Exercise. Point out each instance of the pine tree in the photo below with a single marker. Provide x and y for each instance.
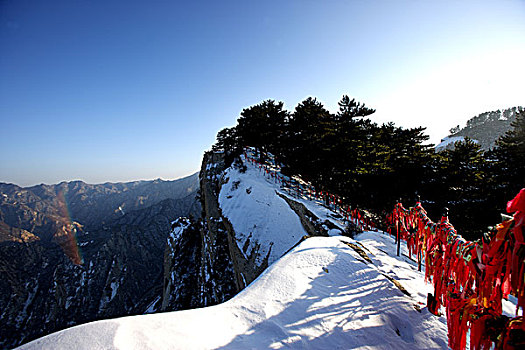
(226, 140)
(262, 126)
(350, 109)
(401, 163)
(461, 185)
(508, 162)
(350, 146)
(228, 143)
(307, 139)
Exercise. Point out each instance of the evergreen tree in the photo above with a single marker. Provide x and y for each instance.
(307, 138)
(401, 164)
(228, 142)
(461, 186)
(462, 170)
(350, 109)
(350, 145)
(509, 155)
(372, 166)
(262, 126)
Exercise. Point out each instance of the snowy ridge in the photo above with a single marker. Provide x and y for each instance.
(264, 223)
(298, 188)
(320, 295)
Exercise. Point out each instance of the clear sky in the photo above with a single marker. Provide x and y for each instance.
(124, 90)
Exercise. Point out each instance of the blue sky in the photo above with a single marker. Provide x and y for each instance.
(124, 90)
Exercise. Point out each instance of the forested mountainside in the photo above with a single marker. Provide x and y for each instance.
(74, 252)
(484, 129)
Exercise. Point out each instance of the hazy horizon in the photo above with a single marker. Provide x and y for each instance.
(101, 182)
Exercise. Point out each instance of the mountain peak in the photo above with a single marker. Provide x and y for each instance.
(484, 129)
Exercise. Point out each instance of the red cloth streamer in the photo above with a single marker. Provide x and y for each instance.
(517, 268)
(470, 278)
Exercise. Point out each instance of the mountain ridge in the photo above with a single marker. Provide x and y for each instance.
(484, 128)
(310, 293)
(71, 269)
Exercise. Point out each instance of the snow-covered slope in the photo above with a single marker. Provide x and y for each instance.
(321, 295)
(264, 223)
(327, 292)
(447, 142)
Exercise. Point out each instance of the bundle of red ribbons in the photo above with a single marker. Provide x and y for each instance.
(471, 278)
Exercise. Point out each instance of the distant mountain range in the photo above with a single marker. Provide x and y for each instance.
(484, 129)
(75, 252)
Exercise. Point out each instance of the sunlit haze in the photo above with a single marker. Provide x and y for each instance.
(118, 91)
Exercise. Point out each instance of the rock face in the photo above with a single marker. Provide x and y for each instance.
(199, 269)
(485, 129)
(72, 253)
(182, 259)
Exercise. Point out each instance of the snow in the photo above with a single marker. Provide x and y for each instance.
(509, 307)
(152, 307)
(68, 302)
(114, 287)
(447, 141)
(382, 249)
(334, 232)
(321, 295)
(263, 222)
(271, 223)
(450, 140)
(181, 225)
(30, 296)
(323, 213)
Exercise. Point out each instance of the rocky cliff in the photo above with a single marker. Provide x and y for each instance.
(199, 268)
